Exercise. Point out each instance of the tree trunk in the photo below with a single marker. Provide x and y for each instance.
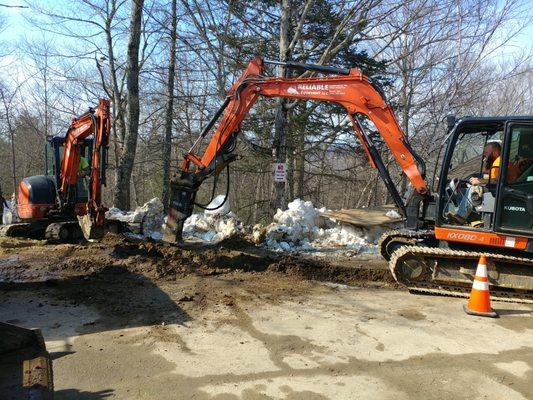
(121, 195)
(2, 202)
(279, 151)
(290, 167)
(12, 140)
(405, 107)
(300, 163)
(167, 144)
(118, 107)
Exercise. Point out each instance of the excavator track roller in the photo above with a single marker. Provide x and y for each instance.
(58, 232)
(451, 272)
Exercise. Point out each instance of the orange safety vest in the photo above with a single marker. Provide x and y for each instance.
(495, 169)
(512, 171)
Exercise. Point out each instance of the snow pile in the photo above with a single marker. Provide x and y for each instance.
(215, 223)
(393, 214)
(301, 228)
(213, 227)
(210, 226)
(146, 220)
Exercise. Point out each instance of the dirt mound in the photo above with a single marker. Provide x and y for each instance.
(161, 261)
(164, 261)
(168, 262)
(322, 271)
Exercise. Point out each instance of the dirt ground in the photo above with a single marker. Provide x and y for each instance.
(130, 319)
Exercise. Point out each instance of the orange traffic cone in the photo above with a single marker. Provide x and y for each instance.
(479, 302)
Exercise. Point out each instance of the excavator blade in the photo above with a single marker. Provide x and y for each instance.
(25, 365)
(89, 228)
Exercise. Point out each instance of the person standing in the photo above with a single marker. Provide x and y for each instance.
(3, 204)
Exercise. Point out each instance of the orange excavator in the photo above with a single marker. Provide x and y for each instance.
(434, 252)
(58, 205)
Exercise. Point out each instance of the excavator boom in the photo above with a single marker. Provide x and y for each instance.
(97, 123)
(355, 92)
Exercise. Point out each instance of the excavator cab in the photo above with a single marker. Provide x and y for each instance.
(53, 154)
(483, 206)
(503, 202)
(464, 203)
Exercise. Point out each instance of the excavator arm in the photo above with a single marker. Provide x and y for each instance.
(96, 122)
(349, 88)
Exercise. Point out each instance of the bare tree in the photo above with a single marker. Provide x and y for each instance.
(279, 152)
(7, 103)
(167, 144)
(125, 165)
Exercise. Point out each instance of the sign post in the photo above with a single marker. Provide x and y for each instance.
(280, 172)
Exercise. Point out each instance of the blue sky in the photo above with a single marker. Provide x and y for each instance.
(17, 28)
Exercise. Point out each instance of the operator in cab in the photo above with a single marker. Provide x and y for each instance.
(491, 171)
(83, 168)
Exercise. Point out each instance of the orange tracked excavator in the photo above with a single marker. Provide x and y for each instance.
(57, 205)
(435, 252)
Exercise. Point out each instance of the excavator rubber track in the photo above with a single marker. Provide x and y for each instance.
(392, 240)
(442, 271)
(59, 232)
(56, 232)
(16, 230)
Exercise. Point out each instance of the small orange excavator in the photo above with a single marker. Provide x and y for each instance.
(435, 252)
(57, 205)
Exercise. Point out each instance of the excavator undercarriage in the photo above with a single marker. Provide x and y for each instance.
(417, 261)
(54, 232)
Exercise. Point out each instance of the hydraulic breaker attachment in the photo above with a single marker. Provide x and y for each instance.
(183, 189)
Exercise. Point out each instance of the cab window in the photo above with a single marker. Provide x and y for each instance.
(463, 204)
(516, 210)
(520, 156)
